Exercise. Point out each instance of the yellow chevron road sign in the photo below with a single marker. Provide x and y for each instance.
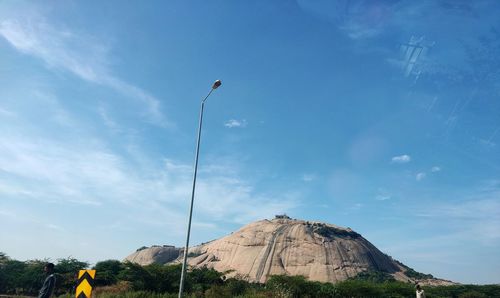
(85, 283)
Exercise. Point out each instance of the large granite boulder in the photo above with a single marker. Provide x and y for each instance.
(318, 251)
(155, 254)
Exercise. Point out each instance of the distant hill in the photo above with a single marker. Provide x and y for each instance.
(318, 251)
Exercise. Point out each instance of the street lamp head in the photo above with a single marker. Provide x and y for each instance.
(216, 84)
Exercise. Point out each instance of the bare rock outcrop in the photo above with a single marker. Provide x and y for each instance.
(155, 254)
(318, 251)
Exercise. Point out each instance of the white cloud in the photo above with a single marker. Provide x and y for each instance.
(150, 201)
(232, 123)
(435, 169)
(356, 19)
(82, 173)
(478, 215)
(76, 53)
(487, 143)
(55, 227)
(420, 176)
(106, 119)
(50, 102)
(356, 206)
(382, 197)
(173, 166)
(50, 171)
(357, 31)
(490, 186)
(401, 159)
(7, 113)
(308, 177)
(469, 230)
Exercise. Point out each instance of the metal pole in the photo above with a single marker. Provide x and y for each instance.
(184, 262)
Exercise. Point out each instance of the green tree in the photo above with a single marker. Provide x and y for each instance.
(67, 274)
(200, 279)
(328, 290)
(164, 278)
(472, 294)
(398, 289)
(140, 279)
(292, 286)
(32, 277)
(374, 276)
(3, 259)
(356, 288)
(236, 287)
(12, 271)
(107, 272)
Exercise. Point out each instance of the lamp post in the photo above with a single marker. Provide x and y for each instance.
(184, 262)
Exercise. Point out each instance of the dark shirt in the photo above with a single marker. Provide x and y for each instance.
(48, 286)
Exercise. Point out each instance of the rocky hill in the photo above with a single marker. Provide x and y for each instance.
(318, 251)
(154, 254)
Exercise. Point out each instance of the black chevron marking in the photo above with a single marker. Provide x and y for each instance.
(86, 276)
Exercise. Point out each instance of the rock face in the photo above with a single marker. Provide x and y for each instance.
(154, 254)
(317, 251)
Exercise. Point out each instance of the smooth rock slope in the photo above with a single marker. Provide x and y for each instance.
(315, 250)
(318, 251)
(155, 254)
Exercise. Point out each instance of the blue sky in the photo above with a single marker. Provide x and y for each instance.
(378, 115)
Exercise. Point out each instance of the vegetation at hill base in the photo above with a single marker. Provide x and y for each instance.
(115, 279)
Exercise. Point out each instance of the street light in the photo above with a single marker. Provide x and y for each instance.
(184, 262)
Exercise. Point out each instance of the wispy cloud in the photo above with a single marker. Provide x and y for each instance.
(468, 219)
(55, 227)
(490, 186)
(420, 176)
(475, 211)
(356, 30)
(233, 123)
(356, 206)
(358, 20)
(479, 216)
(6, 113)
(173, 166)
(489, 142)
(401, 159)
(50, 171)
(106, 119)
(382, 197)
(383, 194)
(435, 169)
(308, 177)
(83, 56)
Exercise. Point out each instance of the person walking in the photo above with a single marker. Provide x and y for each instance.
(50, 282)
(419, 291)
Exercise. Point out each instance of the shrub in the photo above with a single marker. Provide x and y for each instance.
(417, 275)
(292, 286)
(67, 274)
(374, 276)
(138, 277)
(107, 272)
(472, 294)
(357, 288)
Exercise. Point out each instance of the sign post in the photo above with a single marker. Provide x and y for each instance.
(85, 283)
